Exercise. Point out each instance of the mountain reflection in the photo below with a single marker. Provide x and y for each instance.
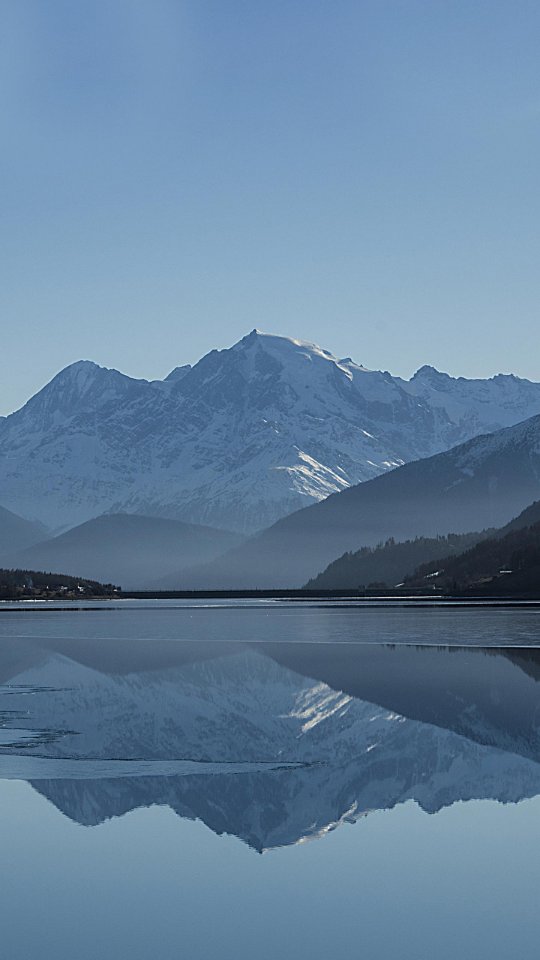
(274, 743)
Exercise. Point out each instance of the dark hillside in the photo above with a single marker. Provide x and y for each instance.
(36, 585)
(391, 562)
(505, 565)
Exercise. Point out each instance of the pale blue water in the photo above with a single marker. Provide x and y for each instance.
(269, 781)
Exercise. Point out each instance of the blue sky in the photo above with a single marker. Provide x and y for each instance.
(362, 174)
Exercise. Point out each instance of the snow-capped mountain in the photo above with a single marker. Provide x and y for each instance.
(243, 716)
(488, 405)
(247, 435)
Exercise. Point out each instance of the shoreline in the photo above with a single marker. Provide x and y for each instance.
(342, 598)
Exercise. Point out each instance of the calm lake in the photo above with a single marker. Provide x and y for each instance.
(265, 780)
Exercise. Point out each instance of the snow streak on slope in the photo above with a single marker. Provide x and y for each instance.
(244, 437)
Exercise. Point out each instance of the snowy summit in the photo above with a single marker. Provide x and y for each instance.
(242, 438)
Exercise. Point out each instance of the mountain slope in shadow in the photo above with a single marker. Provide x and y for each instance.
(127, 549)
(479, 484)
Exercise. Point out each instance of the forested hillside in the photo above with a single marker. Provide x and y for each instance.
(508, 565)
(390, 562)
(35, 585)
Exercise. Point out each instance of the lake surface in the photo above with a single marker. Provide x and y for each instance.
(269, 780)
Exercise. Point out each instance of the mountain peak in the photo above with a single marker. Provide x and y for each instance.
(427, 372)
(80, 373)
(282, 347)
(82, 386)
(249, 434)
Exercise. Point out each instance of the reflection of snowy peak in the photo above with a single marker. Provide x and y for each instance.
(354, 755)
(282, 807)
(241, 707)
(243, 437)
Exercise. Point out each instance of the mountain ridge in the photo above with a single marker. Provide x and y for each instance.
(241, 438)
(128, 549)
